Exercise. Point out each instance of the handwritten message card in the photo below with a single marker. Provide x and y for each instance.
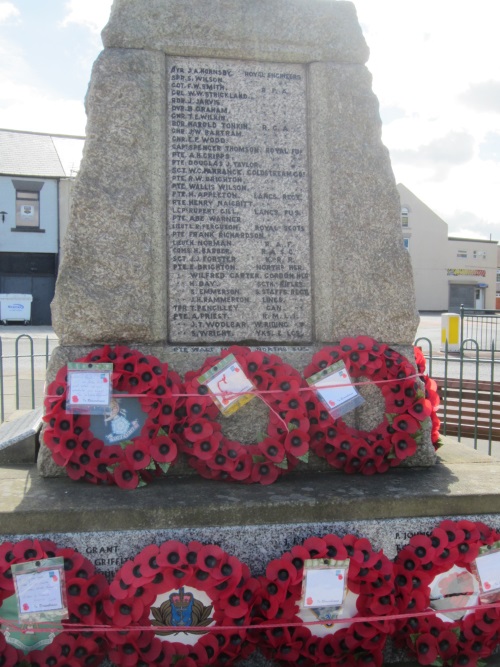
(89, 388)
(39, 587)
(325, 583)
(488, 570)
(227, 383)
(335, 390)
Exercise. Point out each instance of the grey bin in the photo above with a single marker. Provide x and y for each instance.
(15, 308)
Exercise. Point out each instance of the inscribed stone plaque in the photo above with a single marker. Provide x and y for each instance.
(238, 202)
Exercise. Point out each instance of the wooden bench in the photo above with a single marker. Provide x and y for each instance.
(473, 405)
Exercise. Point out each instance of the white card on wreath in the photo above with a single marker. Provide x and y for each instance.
(335, 389)
(324, 587)
(488, 569)
(228, 384)
(89, 387)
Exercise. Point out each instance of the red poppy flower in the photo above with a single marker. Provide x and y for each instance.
(297, 443)
(421, 409)
(283, 572)
(453, 531)
(404, 445)
(125, 476)
(427, 649)
(405, 423)
(272, 449)
(200, 429)
(163, 449)
(264, 473)
(138, 455)
(285, 384)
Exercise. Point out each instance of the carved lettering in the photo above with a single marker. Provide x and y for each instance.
(238, 227)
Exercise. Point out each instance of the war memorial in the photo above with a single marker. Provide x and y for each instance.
(236, 215)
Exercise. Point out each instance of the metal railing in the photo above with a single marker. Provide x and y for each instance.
(23, 362)
(470, 396)
(480, 326)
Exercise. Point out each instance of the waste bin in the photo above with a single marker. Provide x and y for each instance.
(450, 331)
(15, 308)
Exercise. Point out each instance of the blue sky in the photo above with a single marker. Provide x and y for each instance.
(435, 67)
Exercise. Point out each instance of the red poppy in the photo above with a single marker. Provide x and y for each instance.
(199, 429)
(242, 467)
(297, 443)
(125, 476)
(138, 454)
(406, 424)
(264, 473)
(272, 449)
(421, 409)
(283, 572)
(427, 649)
(163, 449)
(404, 446)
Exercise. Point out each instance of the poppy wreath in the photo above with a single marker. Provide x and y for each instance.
(192, 593)
(282, 446)
(134, 461)
(406, 406)
(86, 592)
(434, 572)
(431, 394)
(370, 592)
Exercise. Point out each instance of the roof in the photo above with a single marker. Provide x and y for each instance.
(37, 154)
(458, 238)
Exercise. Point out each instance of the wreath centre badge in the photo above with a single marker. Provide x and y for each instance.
(186, 609)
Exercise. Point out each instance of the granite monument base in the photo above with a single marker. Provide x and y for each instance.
(255, 523)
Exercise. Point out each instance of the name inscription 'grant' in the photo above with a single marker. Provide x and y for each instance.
(238, 202)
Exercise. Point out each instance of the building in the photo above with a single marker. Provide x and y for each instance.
(498, 280)
(36, 174)
(447, 271)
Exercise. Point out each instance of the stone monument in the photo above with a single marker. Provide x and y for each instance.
(234, 189)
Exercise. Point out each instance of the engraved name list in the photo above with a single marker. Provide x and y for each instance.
(238, 203)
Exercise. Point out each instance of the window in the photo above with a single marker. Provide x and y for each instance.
(479, 254)
(27, 209)
(27, 206)
(498, 275)
(462, 254)
(406, 243)
(404, 216)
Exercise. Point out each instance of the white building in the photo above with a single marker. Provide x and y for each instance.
(36, 173)
(447, 271)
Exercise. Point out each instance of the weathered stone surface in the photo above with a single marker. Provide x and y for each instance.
(112, 284)
(408, 500)
(363, 282)
(295, 31)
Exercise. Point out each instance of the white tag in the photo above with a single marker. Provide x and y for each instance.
(488, 569)
(325, 587)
